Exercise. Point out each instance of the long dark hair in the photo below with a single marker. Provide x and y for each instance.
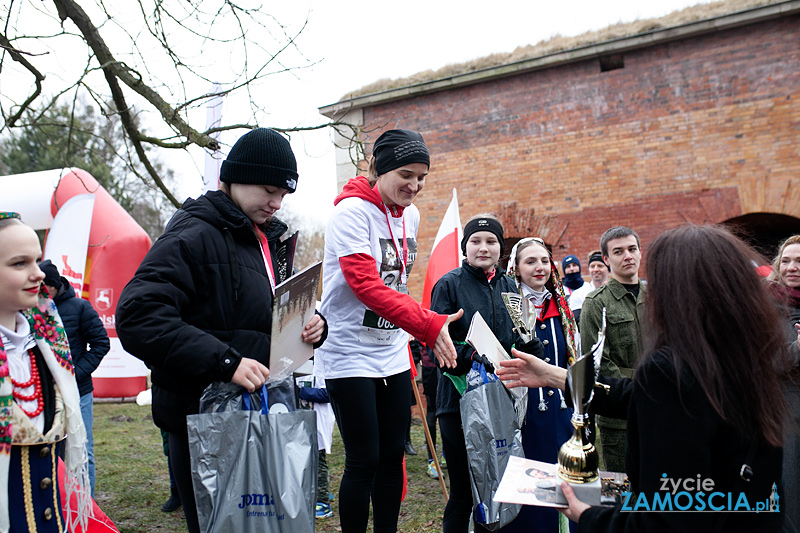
(708, 310)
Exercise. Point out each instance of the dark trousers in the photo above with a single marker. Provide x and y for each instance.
(459, 507)
(182, 470)
(323, 478)
(372, 415)
(430, 381)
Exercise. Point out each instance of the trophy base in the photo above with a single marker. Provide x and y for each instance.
(588, 493)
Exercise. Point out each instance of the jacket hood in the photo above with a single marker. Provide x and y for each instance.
(216, 208)
(65, 292)
(359, 187)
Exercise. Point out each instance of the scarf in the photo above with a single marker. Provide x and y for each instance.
(537, 298)
(574, 280)
(48, 331)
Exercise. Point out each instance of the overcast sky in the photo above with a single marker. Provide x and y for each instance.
(359, 42)
(345, 45)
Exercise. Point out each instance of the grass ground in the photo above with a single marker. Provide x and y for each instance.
(133, 482)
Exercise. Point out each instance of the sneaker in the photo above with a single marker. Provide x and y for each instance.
(324, 510)
(432, 472)
(331, 497)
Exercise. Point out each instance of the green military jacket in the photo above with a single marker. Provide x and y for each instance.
(624, 322)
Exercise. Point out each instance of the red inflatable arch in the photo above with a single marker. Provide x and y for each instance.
(117, 244)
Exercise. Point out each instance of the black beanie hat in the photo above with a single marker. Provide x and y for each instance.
(261, 157)
(395, 148)
(483, 224)
(51, 275)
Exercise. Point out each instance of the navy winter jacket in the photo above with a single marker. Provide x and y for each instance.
(83, 328)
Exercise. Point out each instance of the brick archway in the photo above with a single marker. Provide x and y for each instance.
(764, 231)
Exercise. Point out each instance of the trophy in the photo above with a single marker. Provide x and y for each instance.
(578, 460)
(522, 317)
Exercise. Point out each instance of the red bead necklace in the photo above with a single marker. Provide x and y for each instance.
(36, 381)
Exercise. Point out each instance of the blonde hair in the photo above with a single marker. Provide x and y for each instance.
(372, 172)
(775, 275)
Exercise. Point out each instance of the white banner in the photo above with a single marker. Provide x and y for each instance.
(68, 239)
(118, 363)
(213, 159)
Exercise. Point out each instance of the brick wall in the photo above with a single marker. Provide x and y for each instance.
(698, 130)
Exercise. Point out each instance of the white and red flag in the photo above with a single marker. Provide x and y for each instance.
(446, 253)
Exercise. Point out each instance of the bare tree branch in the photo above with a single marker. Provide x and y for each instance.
(189, 36)
(18, 56)
(115, 69)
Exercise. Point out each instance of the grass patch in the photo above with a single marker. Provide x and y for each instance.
(133, 482)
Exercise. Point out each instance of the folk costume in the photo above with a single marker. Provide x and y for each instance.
(40, 407)
(547, 421)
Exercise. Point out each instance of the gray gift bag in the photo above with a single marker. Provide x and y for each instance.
(492, 434)
(254, 472)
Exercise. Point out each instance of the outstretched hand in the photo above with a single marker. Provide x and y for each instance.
(444, 350)
(529, 371)
(576, 507)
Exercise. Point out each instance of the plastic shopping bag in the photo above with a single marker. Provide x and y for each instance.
(224, 396)
(492, 435)
(254, 470)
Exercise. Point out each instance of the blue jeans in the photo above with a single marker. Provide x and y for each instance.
(88, 418)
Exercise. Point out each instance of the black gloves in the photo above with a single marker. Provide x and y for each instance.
(534, 347)
(482, 359)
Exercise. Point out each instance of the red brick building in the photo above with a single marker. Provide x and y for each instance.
(695, 123)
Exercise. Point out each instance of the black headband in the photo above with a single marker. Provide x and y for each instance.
(483, 224)
(596, 257)
(395, 148)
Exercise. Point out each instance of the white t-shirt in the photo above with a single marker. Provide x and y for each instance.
(579, 295)
(360, 343)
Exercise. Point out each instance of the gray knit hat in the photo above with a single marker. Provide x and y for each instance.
(261, 157)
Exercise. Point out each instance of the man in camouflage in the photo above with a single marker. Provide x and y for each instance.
(623, 298)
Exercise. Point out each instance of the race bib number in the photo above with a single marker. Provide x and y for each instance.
(377, 330)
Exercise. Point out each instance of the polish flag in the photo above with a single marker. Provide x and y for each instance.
(446, 252)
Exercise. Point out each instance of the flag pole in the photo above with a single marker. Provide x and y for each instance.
(430, 440)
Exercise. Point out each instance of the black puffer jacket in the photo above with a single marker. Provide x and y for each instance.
(82, 326)
(199, 302)
(467, 288)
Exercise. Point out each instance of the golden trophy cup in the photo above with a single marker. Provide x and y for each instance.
(578, 460)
